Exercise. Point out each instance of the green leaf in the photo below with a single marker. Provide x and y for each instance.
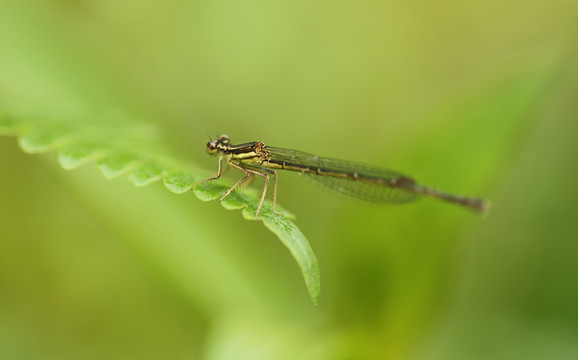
(180, 181)
(118, 151)
(209, 191)
(116, 164)
(76, 154)
(297, 244)
(145, 173)
(44, 139)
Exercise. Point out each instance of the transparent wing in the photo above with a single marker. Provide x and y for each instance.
(359, 188)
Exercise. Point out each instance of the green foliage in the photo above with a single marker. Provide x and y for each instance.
(478, 99)
(116, 152)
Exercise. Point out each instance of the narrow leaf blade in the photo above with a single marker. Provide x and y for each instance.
(299, 247)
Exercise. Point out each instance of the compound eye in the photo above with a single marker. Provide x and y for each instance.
(211, 147)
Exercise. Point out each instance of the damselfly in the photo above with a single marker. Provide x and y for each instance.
(361, 181)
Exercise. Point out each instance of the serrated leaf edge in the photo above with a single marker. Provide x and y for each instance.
(305, 259)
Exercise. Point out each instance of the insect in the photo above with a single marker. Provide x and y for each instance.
(366, 182)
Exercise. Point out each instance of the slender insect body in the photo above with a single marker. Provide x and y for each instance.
(366, 182)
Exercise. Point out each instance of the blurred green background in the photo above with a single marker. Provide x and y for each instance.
(471, 97)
